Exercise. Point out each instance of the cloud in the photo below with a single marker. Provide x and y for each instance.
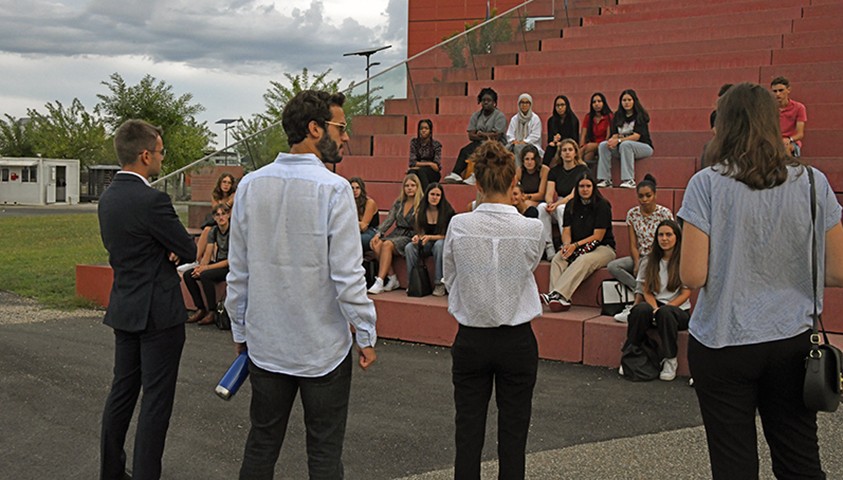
(213, 34)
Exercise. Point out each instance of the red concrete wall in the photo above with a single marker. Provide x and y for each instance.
(429, 21)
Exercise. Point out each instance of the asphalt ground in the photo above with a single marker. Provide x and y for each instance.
(587, 422)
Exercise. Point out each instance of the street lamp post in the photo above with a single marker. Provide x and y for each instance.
(227, 125)
(368, 54)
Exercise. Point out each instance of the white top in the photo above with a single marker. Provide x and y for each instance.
(535, 135)
(664, 295)
(488, 263)
(296, 278)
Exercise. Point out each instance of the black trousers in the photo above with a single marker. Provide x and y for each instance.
(149, 360)
(209, 279)
(427, 175)
(506, 357)
(325, 402)
(732, 383)
(668, 320)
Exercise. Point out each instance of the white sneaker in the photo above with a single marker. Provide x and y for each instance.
(691, 382)
(623, 316)
(668, 369)
(391, 283)
(471, 180)
(627, 184)
(620, 370)
(455, 177)
(604, 184)
(549, 251)
(439, 290)
(376, 287)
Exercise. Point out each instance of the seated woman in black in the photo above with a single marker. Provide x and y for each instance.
(587, 243)
(561, 125)
(367, 212)
(432, 219)
(212, 269)
(667, 303)
(425, 154)
(532, 176)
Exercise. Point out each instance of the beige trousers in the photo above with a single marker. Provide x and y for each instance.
(565, 278)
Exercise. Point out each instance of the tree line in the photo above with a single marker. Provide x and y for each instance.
(72, 131)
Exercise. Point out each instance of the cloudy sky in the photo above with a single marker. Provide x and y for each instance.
(224, 52)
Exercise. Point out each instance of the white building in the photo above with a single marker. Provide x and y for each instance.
(38, 181)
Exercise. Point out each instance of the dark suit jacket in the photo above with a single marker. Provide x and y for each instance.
(139, 228)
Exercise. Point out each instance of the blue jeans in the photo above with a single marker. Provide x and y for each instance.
(628, 151)
(411, 256)
(325, 402)
(366, 237)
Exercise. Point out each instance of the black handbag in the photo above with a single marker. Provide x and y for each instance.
(419, 281)
(824, 363)
(221, 319)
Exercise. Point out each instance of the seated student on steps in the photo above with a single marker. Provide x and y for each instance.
(641, 221)
(587, 243)
(488, 123)
(666, 306)
(403, 216)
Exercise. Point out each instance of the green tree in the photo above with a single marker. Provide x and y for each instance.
(479, 41)
(153, 100)
(15, 137)
(263, 147)
(70, 132)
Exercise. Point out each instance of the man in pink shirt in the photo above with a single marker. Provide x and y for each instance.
(792, 116)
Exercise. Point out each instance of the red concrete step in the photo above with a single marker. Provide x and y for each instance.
(814, 54)
(549, 51)
(440, 89)
(374, 169)
(466, 74)
(832, 167)
(403, 106)
(799, 73)
(736, 21)
(426, 320)
(817, 24)
(611, 81)
(658, 36)
(603, 338)
(672, 12)
(827, 10)
(626, 7)
(677, 63)
(379, 124)
(813, 39)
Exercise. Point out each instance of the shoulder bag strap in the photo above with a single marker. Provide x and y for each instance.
(817, 320)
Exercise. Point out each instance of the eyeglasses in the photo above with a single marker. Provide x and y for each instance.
(341, 126)
(220, 214)
(163, 151)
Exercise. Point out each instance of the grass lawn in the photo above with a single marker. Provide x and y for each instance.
(39, 255)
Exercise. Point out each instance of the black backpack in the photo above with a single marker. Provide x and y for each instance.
(641, 362)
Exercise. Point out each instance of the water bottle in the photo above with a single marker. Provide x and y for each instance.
(234, 377)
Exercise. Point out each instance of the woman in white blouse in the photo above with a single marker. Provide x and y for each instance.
(525, 128)
(490, 254)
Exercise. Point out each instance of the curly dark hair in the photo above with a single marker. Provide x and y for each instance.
(490, 91)
(308, 106)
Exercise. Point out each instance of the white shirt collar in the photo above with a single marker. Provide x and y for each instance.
(137, 175)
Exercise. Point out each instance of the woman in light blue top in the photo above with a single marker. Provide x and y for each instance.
(748, 246)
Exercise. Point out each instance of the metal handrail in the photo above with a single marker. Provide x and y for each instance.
(355, 85)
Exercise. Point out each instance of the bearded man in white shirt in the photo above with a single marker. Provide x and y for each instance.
(296, 283)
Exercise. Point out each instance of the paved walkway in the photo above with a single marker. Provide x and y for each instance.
(587, 422)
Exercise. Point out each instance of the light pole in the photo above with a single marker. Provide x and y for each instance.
(226, 122)
(367, 53)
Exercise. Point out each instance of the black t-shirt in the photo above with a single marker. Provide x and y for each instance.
(531, 212)
(566, 180)
(530, 182)
(584, 219)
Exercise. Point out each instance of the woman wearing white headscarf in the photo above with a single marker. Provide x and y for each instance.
(524, 128)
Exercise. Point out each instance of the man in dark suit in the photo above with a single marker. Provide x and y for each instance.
(144, 239)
